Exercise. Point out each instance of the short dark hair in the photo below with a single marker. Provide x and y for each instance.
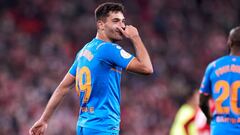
(102, 11)
(234, 36)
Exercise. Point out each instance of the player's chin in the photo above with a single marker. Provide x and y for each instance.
(118, 38)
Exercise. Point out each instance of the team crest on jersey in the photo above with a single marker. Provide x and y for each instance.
(125, 54)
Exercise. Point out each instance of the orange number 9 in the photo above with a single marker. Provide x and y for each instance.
(85, 86)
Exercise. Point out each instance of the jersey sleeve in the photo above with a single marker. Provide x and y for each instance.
(116, 55)
(206, 82)
(73, 69)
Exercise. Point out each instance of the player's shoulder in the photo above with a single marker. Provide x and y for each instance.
(187, 111)
(218, 61)
(80, 52)
(223, 58)
(105, 46)
(226, 60)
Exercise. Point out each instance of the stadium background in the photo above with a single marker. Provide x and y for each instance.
(39, 40)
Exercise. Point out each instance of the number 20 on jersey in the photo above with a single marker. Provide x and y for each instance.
(228, 91)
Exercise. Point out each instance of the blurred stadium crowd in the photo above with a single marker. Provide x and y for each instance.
(40, 38)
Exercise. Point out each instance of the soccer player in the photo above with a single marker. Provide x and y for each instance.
(184, 122)
(96, 73)
(222, 82)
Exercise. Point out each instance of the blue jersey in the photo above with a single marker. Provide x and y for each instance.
(97, 68)
(222, 82)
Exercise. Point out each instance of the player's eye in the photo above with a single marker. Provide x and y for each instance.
(115, 20)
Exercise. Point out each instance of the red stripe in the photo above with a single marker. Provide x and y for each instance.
(187, 124)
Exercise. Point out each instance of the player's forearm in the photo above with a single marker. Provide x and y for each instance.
(205, 107)
(54, 101)
(141, 53)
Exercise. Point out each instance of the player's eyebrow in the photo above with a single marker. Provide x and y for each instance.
(118, 19)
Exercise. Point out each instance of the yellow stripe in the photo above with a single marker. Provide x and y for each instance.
(130, 62)
(71, 75)
(114, 69)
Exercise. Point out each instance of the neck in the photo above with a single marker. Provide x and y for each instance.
(103, 37)
(235, 54)
(235, 51)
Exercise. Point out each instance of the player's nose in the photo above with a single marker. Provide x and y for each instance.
(122, 25)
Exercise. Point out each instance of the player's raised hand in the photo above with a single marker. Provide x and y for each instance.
(129, 31)
(38, 128)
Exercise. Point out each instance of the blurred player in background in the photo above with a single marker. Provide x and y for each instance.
(96, 73)
(189, 119)
(222, 82)
(184, 123)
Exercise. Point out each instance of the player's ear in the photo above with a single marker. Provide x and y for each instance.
(229, 43)
(100, 25)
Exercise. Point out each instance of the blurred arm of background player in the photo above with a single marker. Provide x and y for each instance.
(142, 63)
(41, 125)
(204, 105)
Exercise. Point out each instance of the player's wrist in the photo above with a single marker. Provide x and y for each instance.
(44, 120)
(135, 37)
